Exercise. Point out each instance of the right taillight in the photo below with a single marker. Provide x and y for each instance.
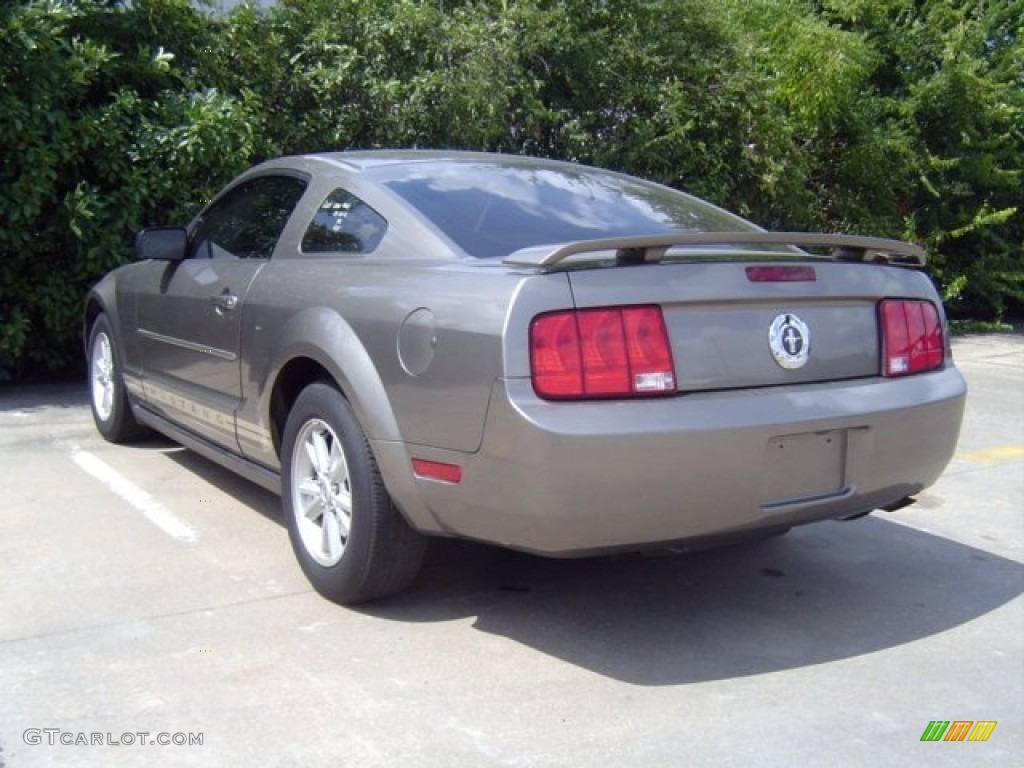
(911, 337)
(602, 352)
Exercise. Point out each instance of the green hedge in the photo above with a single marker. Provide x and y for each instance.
(888, 117)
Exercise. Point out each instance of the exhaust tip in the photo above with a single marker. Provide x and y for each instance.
(903, 503)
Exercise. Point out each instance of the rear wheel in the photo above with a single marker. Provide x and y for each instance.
(111, 410)
(349, 538)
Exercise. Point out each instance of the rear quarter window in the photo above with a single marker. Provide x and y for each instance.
(344, 224)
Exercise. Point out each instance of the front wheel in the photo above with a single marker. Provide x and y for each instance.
(111, 410)
(349, 538)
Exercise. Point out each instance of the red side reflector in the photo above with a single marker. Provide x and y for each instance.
(911, 337)
(436, 470)
(781, 274)
(603, 352)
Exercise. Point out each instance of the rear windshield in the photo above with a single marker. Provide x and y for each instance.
(491, 210)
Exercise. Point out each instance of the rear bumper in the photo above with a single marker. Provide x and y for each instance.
(581, 478)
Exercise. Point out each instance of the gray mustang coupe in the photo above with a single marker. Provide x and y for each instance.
(535, 354)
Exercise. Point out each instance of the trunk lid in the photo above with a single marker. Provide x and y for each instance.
(729, 331)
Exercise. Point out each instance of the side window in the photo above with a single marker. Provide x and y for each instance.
(248, 220)
(344, 223)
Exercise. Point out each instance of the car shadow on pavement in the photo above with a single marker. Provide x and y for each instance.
(822, 593)
(224, 480)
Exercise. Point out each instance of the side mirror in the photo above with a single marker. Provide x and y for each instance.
(161, 243)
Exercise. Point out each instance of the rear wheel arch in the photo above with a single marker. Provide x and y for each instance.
(297, 374)
(339, 358)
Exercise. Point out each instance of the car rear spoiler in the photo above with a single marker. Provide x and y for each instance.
(652, 248)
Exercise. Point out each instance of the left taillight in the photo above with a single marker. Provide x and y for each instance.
(911, 337)
(601, 352)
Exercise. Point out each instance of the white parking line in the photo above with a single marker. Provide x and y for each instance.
(151, 509)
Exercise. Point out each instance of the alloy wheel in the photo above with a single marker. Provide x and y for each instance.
(321, 492)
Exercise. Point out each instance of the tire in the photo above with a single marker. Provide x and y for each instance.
(111, 410)
(349, 538)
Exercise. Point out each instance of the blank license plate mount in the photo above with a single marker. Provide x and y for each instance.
(803, 466)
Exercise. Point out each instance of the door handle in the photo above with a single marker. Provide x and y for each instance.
(225, 302)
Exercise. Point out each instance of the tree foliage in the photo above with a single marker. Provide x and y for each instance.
(100, 132)
(889, 117)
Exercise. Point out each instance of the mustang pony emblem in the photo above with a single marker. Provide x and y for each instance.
(790, 341)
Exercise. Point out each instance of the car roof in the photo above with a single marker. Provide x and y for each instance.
(362, 160)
